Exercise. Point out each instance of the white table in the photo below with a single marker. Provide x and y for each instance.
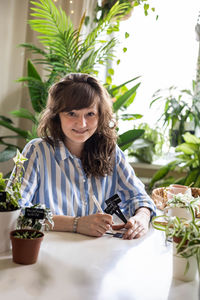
(76, 267)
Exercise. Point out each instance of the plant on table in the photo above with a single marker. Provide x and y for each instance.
(26, 239)
(185, 234)
(186, 201)
(42, 222)
(10, 188)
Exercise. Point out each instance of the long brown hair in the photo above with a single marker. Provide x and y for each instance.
(73, 92)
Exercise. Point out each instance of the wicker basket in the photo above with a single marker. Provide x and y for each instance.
(160, 198)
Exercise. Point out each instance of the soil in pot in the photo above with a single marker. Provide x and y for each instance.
(25, 250)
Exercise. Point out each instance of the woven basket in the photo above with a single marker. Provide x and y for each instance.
(160, 198)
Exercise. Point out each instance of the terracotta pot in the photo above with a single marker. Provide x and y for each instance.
(25, 251)
(175, 189)
(8, 222)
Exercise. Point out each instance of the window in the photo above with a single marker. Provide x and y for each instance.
(164, 51)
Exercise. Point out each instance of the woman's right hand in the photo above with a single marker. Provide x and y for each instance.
(94, 225)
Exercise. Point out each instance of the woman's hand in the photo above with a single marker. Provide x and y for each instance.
(137, 226)
(94, 225)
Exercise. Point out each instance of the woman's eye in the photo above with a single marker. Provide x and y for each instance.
(71, 114)
(91, 114)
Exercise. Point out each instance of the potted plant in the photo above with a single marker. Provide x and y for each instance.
(27, 238)
(186, 159)
(185, 235)
(9, 202)
(181, 111)
(182, 205)
(148, 146)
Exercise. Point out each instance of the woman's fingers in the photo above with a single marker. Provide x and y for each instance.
(118, 227)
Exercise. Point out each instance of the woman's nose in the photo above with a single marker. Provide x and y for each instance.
(82, 121)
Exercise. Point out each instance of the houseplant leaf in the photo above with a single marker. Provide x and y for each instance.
(126, 138)
(124, 98)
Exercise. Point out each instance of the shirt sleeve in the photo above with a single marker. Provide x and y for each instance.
(130, 188)
(30, 177)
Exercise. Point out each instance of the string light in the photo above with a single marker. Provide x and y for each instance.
(71, 11)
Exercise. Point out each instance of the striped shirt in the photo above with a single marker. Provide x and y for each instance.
(54, 177)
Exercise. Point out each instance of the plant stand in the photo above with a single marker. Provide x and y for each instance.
(8, 222)
(25, 251)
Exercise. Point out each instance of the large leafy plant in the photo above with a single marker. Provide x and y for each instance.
(65, 50)
(180, 108)
(187, 159)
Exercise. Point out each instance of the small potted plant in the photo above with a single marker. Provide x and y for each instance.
(27, 238)
(185, 235)
(182, 205)
(9, 202)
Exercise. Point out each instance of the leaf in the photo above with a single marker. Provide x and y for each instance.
(160, 174)
(22, 133)
(8, 153)
(128, 117)
(128, 137)
(7, 120)
(187, 148)
(121, 85)
(24, 113)
(126, 35)
(111, 71)
(192, 176)
(34, 91)
(191, 139)
(124, 98)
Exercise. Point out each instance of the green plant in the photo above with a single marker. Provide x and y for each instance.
(122, 99)
(64, 50)
(10, 188)
(180, 108)
(103, 9)
(187, 159)
(184, 232)
(148, 146)
(185, 201)
(25, 221)
(27, 235)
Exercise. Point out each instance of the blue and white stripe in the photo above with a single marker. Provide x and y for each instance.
(56, 178)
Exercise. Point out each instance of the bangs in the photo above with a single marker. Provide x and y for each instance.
(79, 96)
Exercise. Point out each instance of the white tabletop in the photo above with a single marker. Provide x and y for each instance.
(77, 267)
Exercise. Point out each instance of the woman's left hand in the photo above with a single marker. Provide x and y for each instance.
(137, 226)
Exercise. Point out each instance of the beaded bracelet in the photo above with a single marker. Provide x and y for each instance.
(75, 224)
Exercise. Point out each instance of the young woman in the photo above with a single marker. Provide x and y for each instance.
(77, 158)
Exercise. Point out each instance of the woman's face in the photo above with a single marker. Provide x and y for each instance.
(79, 125)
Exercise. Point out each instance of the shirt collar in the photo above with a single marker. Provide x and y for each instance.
(62, 152)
